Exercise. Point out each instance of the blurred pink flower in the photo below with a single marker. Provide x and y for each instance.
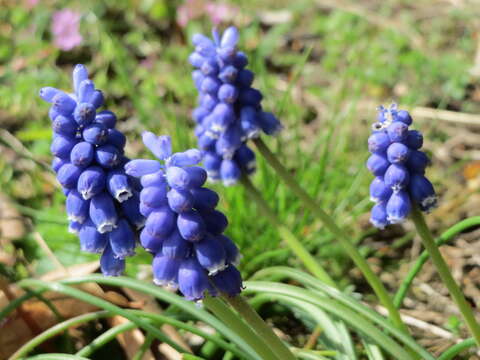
(65, 29)
(31, 3)
(193, 9)
(219, 12)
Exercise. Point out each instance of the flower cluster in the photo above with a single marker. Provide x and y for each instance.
(102, 200)
(399, 168)
(183, 229)
(229, 111)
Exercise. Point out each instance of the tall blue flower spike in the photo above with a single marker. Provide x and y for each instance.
(183, 229)
(102, 200)
(399, 168)
(229, 111)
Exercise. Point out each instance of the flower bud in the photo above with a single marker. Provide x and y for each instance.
(160, 146)
(85, 91)
(165, 270)
(84, 114)
(77, 207)
(417, 162)
(110, 265)
(180, 200)
(82, 154)
(245, 158)
(97, 99)
(245, 78)
(414, 139)
(396, 177)
(378, 216)
(68, 175)
(216, 222)
(48, 93)
(404, 117)
(79, 74)
(161, 222)
(91, 182)
(63, 104)
(95, 134)
(154, 196)
(154, 179)
(122, 240)
(398, 207)
(57, 163)
(204, 199)
(107, 156)
(106, 118)
(90, 239)
(130, 208)
(250, 97)
(232, 254)
(229, 172)
(377, 164)
(227, 93)
(269, 123)
(151, 243)
(378, 142)
(178, 178)
(210, 254)
(398, 153)
(397, 131)
(191, 225)
(192, 280)
(422, 192)
(65, 126)
(140, 167)
(175, 246)
(62, 146)
(379, 191)
(102, 212)
(228, 74)
(228, 281)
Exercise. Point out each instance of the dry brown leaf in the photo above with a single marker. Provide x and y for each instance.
(132, 340)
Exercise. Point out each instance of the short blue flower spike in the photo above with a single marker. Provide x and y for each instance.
(399, 167)
(229, 111)
(183, 229)
(102, 200)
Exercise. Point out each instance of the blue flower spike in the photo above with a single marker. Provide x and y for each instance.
(229, 111)
(399, 168)
(102, 201)
(183, 229)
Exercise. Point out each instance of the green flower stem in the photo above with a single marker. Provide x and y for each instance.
(55, 356)
(224, 313)
(78, 294)
(330, 224)
(444, 272)
(456, 349)
(55, 330)
(292, 241)
(105, 338)
(422, 259)
(241, 305)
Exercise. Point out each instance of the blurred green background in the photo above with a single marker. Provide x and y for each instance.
(323, 67)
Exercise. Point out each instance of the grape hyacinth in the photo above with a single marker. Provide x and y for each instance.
(229, 111)
(102, 200)
(183, 229)
(399, 168)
